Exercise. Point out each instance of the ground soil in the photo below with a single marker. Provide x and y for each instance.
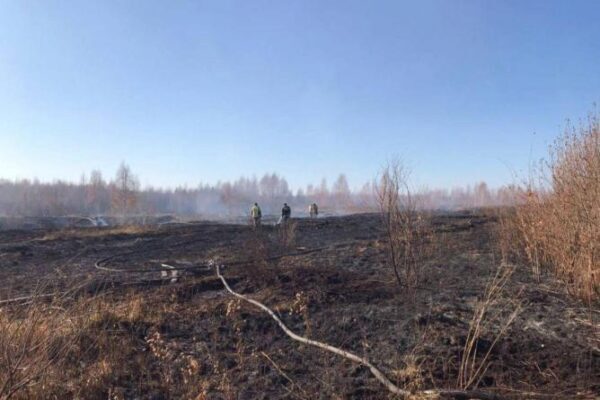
(330, 282)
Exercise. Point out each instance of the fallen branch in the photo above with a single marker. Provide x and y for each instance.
(434, 393)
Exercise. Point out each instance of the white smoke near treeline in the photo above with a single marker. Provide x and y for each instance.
(123, 196)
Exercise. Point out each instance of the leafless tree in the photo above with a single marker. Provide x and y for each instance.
(126, 186)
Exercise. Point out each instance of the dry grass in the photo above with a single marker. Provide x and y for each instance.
(492, 310)
(27, 349)
(556, 226)
(67, 348)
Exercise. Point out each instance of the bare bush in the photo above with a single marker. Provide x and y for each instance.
(402, 224)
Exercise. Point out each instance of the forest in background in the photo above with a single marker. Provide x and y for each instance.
(123, 195)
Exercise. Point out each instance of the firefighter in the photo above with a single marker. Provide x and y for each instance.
(256, 214)
(313, 210)
(286, 212)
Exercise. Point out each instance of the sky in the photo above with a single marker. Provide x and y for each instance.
(202, 91)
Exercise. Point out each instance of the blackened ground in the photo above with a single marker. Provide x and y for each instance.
(330, 283)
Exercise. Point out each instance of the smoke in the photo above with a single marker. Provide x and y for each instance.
(122, 196)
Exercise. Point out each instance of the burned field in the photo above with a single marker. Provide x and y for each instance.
(150, 318)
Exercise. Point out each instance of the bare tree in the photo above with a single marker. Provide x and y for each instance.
(124, 194)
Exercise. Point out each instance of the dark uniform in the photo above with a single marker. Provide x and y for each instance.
(286, 212)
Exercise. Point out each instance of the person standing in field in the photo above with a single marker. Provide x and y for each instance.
(256, 214)
(313, 210)
(286, 212)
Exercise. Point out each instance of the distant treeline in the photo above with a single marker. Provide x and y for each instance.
(123, 196)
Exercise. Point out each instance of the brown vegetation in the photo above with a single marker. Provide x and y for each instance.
(46, 345)
(556, 225)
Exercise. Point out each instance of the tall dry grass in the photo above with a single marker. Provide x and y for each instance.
(27, 351)
(65, 348)
(556, 225)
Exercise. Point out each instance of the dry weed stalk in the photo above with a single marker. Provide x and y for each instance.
(489, 311)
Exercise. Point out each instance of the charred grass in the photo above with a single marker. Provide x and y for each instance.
(189, 339)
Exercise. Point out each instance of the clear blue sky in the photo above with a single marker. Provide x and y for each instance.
(189, 91)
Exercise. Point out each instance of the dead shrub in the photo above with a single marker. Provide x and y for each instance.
(403, 225)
